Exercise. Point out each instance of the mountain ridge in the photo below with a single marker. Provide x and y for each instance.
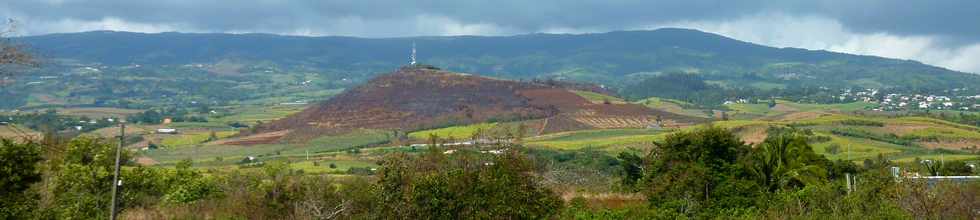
(612, 58)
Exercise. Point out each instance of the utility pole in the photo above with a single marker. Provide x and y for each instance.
(115, 178)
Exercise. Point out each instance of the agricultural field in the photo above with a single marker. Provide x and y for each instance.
(783, 107)
(192, 138)
(99, 112)
(251, 114)
(673, 106)
(222, 154)
(8, 131)
(898, 137)
(455, 132)
(597, 97)
(856, 148)
(611, 140)
(343, 142)
(938, 157)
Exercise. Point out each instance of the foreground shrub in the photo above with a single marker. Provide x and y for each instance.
(465, 185)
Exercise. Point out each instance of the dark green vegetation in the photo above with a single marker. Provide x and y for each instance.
(51, 121)
(707, 172)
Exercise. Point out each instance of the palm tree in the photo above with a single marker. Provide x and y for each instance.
(785, 161)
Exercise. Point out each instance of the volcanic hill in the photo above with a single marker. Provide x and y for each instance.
(416, 98)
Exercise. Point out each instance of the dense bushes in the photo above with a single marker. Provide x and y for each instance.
(75, 181)
(464, 185)
(18, 171)
(709, 173)
(704, 173)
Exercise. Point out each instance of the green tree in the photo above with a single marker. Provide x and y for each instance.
(785, 161)
(631, 168)
(833, 149)
(18, 171)
(689, 171)
(82, 180)
(464, 185)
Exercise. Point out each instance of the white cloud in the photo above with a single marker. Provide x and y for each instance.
(820, 33)
(421, 25)
(31, 27)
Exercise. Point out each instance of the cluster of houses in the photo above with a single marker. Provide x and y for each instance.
(895, 101)
(952, 100)
(737, 101)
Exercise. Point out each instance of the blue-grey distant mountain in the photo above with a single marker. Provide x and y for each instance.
(615, 58)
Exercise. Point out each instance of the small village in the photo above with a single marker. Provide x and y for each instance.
(951, 100)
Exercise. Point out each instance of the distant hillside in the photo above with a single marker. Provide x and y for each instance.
(416, 98)
(615, 58)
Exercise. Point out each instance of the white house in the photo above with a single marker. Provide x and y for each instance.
(166, 131)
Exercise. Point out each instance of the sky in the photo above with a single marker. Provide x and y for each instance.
(944, 33)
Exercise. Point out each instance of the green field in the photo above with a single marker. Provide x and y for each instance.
(937, 157)
(672, 106)
(463, 132)
(193, 138)
(251, 114)
(192, 149)
(853, 106)
(342, 142)
(762, 109)
(596, 97)
(612, 140)
(855, 148)
(755, 109)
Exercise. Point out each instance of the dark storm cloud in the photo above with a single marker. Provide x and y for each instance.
(957, 19)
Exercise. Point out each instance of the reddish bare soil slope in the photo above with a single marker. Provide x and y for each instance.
(412, 99)
(418, 98)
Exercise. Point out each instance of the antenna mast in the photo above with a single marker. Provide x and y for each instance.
(413, 54)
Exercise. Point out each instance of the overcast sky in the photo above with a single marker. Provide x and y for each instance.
(940, 32)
